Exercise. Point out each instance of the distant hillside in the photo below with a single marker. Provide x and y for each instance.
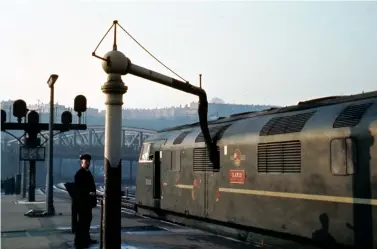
(158, 123)
(156, 119)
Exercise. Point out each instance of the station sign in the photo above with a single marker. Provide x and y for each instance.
(32, 154)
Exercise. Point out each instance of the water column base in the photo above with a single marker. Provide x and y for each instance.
(112, 208)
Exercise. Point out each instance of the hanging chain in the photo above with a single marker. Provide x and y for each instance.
(115, 24)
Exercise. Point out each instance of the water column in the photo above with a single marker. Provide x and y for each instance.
(113, 89)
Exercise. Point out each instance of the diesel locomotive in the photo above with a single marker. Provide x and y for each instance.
(303, 172)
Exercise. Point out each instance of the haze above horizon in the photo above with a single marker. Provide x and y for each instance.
(248, 52)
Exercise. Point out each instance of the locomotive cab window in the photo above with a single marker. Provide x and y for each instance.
(145, 153)
(343, 156)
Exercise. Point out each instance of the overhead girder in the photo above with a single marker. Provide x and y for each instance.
(94, 137)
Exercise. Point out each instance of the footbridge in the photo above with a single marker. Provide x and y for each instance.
(72, 143)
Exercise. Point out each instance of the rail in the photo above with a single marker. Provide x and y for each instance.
(127, 202)
(128, 197)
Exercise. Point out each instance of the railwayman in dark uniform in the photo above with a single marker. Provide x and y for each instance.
(85, 202)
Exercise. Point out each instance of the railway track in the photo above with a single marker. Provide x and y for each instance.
(128, 197)
(127, 202)
(129, 206)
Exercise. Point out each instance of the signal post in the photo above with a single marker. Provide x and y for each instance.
(32, 150)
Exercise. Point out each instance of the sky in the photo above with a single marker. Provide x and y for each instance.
(248, 52)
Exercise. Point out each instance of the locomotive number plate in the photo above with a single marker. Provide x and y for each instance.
(237, 176)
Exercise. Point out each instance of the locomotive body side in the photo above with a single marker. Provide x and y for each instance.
(311, 176)
(315, 197)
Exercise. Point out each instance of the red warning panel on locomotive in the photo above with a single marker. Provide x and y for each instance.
(237, 176)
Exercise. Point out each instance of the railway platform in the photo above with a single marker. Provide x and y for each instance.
(21, 232)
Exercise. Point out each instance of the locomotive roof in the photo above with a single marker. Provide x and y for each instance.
(302, 105)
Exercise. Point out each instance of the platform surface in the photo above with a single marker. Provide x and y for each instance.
(19, 231)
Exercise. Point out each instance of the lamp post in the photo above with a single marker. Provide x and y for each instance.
(50, 173)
